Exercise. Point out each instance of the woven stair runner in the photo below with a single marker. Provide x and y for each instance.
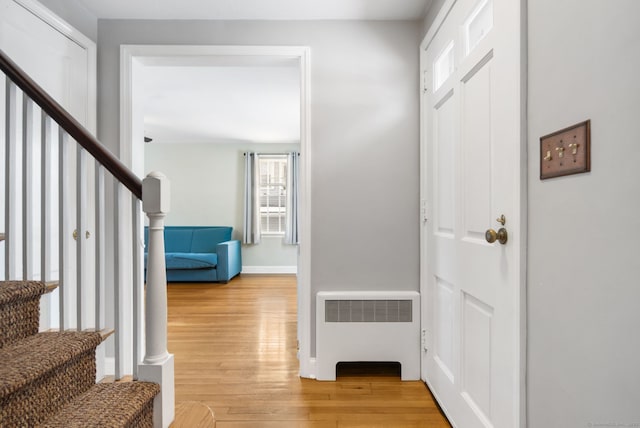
(19, 309)
(48, 379)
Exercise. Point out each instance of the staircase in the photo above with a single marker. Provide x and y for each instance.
(88, 284)
(48, 379)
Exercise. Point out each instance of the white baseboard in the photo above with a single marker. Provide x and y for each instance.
(109, 366)
(270, 269)
(308, 368)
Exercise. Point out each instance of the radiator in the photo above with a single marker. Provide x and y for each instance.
(367, 326)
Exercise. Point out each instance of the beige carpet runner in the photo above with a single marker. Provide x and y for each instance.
(48, 379)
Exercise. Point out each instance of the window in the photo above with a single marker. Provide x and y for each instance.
(478, 24)
(273, 194)
(443, 66)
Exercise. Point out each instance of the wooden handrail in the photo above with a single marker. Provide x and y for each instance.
(71, 126)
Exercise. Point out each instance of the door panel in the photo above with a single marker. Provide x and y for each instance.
(470, 175)
(477, 149)
(477, 320)
(444, 148)
(444, 328)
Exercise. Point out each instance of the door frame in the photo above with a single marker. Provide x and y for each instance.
(130, 153)
(521, 350)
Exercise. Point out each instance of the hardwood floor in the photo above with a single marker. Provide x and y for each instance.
(235, 351)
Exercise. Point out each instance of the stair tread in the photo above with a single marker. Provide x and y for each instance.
(19, 309)
(106, 405)
(32, 357)
(13, 291)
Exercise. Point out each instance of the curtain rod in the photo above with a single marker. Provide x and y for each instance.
(272, 154)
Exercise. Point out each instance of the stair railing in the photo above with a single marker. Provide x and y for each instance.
(42, 169)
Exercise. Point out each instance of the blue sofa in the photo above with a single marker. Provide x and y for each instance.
(199, 253)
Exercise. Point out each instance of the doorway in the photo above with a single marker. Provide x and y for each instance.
(133, 60)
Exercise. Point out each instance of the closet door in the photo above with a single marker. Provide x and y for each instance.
(62, 61)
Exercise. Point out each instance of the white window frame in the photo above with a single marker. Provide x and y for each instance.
(272, 179)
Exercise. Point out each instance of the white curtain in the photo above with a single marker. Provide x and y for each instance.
(291, 227)
(251, 221)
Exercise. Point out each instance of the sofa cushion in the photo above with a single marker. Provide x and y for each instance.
(191, 260)
(177, 240)
(205, 240)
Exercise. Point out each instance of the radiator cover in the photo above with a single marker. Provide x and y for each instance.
(369, 326)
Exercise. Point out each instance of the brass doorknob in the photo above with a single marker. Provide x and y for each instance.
(492, 236)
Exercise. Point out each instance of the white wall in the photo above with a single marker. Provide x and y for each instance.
(584, 230)
(364, 135)
(207, 182)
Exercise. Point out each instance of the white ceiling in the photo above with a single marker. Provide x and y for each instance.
(222, 104)
(258, 9)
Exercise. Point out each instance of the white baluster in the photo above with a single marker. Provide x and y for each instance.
(27, 187)
(117, 299)
(137, 288)
(45, 216)
(11, 178)
(158, 365)
(100, 260)
(63, 186)
(81, 227)
(100, 243)
(64, 232)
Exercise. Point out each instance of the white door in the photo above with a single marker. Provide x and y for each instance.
(61, 61)
(471, 175)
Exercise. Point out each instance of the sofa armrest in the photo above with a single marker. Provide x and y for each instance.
(229, 260)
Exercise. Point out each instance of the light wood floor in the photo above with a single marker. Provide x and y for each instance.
(235, 351)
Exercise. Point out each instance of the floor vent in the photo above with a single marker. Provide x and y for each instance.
(371, 326)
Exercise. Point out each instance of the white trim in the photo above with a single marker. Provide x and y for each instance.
(250, 270)
(307, 364)
(312, 364)
(125, 149)
(55, 21)
(437, 23)
(81, 40)
(129, 53)
(524, 214)
(424, 216)
(446, 411)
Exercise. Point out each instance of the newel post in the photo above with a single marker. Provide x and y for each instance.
(157, 365)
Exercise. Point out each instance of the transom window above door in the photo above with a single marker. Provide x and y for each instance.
(478, 25)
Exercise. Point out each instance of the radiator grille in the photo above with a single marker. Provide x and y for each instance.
(368, 311)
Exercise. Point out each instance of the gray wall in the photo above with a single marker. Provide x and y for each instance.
(364, 135)
(584, 230)
(430, 16)
(207, 182)
(75, 14)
